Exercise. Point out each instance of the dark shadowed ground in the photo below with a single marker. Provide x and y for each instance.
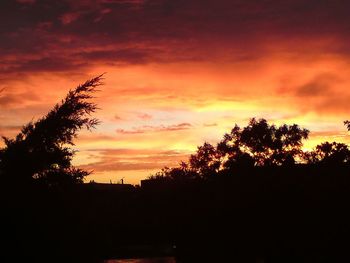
(298, 214)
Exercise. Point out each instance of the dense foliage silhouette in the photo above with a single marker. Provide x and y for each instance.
(259, 144)
(40, 151)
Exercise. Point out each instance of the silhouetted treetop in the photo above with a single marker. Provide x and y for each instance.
(263, 144)
(347, 124)
(39, 151)
(206, 160)
(61, 124)
(329, 153)
(257, 144)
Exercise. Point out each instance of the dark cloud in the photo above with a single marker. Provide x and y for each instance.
(323, 94)
(47, 64)
(135, 31)
(130, 56)
(333, 104)
(26, 1)
(8, 99)
(313, 89)
(321, 85)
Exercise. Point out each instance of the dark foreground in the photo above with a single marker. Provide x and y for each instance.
(143, 260)
(298, 214)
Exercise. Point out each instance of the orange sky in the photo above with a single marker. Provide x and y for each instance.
(178, 72)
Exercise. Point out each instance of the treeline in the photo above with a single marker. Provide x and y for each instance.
(259, 144)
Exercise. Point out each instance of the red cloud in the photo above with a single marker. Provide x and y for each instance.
(148, 128)
(132, 159)
(145, 116)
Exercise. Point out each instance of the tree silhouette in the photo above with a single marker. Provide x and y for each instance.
(347, 124)
(230, 152)
(205, 162)
(329, 153)
(40, 151)
(262, 144)
(257, 144)
(183, 171)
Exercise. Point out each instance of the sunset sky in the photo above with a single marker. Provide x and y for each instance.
(178, 72)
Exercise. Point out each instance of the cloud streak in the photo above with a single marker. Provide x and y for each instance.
(131, 159)
(161, 128)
